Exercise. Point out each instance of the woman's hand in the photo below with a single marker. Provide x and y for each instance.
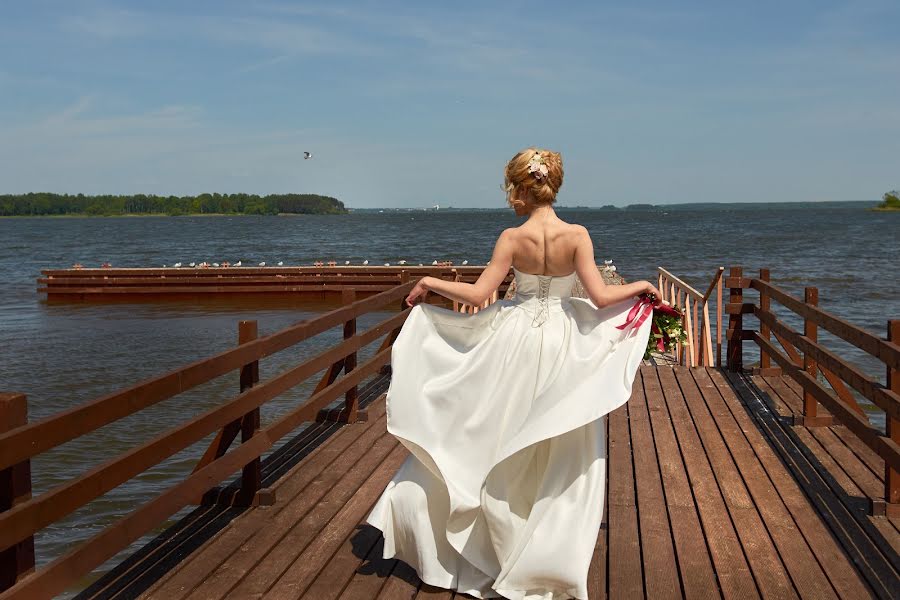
(418, 293)
(655, 295)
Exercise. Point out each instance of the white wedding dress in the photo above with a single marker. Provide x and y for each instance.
(503, 412)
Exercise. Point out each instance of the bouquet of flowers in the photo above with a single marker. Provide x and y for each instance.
(667, 328)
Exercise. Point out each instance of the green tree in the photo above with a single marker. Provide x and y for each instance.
(890, 200)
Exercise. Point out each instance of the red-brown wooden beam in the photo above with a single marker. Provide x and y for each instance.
(15, 488)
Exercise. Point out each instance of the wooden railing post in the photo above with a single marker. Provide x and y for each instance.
(719, 320)
(892, 427)
(765, 361)
(15, 488)
(810, 330)
(734, 354)
(696, 344)
(679, 347)
(351, 401)
(251, 477)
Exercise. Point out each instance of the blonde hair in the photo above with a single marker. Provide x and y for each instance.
(518, 180)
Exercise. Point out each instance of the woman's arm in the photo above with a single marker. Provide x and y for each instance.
(600, 293)
(473, 293)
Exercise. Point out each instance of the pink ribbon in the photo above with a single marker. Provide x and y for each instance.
(642, 309)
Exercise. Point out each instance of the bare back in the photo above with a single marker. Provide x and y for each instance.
(545, 248)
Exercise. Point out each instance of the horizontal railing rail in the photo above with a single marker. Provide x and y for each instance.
(801, 356)
(22, 518)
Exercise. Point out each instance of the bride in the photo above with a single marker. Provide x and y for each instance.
(503, 411)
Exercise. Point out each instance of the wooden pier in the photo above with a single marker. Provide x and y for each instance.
(324, 282)
(723, 481)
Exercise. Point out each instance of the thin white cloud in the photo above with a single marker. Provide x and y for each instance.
(108, 23)
(75, 121)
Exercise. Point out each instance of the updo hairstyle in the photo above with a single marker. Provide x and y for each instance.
(520, 178)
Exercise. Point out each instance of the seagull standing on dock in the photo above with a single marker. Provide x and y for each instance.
(365, 262)
(434, 262)
(262, 264)
(346, 262)
(237, 264)
(280, 263)
(465, 262)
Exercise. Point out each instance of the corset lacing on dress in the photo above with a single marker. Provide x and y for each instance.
(543, 306)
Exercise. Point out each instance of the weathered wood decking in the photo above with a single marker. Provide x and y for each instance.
(711, 493)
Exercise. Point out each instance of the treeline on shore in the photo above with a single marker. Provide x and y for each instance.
(35, 204)
(890, 201)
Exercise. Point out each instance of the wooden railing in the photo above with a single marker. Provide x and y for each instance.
(698, 349)
(465, 307)
(21, 516)
(802, 357)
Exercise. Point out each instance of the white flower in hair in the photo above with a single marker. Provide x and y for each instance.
(538, 167)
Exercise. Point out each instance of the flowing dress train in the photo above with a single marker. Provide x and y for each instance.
(503, 412)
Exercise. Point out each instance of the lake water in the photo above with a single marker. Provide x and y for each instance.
(62, 354)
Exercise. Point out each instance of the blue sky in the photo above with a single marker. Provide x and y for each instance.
(409, 104)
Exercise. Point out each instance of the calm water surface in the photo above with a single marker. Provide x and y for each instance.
(62, 354)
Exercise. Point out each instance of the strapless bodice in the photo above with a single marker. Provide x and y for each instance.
(543, 286)
(540, 292)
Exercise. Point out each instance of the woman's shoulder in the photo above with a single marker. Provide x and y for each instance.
(563, 226)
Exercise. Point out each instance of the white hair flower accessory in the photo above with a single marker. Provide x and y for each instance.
(538, 167)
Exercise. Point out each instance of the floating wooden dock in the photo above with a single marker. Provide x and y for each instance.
(723, 482)
(305, 282)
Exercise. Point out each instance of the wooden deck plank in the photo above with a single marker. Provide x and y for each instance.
(307, 564)
(403, 583)
(268, 529)
(332, 581)
(181, 579)
(657, 550)
(625, 566)
(331, 456)
(853, 495)
(275, 548)
(848, 524)
(732, 569)
(716, 470)
(859, 462)
(874, 537)
(804, 570)
(692, 551)
(371, 575)
(863, 454)
(429, 592)
(744, 438)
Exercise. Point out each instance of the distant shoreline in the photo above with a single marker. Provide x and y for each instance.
(869, 205)
(143, 215)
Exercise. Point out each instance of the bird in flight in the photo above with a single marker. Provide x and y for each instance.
(307, 155)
